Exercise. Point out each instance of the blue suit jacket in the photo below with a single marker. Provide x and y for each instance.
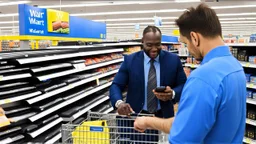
(131, 74)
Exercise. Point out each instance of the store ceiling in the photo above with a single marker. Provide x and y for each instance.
(238, 17)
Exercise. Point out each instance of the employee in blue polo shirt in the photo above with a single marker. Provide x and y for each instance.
(212, 107)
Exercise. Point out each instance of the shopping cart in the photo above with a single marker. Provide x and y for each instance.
(101, 128)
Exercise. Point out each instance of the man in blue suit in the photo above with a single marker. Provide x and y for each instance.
(142, 72)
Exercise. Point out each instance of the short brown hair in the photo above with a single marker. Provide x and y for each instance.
(202, 20)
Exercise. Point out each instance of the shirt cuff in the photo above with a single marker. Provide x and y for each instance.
(173, 94)
(118, 103)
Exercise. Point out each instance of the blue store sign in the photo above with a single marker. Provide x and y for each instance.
(33, 21)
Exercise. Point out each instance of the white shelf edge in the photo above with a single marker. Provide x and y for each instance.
(120, 44)
(63, 73)
(247, 64)
(44, 128)
(191, 65)
(249, 141)
(251, 85)
(163, 42)
(183, 55)
(21, 97)
(41, 69)
(13, 77)
(240, 44)
(174, 51)
(54, 139)
(64, 56)
(68, 87)
(81, 112)
(108, 110)
(65, 103)
(251, 101)
(251, 122)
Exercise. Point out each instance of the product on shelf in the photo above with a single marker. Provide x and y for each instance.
(248, 76)
(130, 50)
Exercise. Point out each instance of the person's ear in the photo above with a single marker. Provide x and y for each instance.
(142, 40)
(194, 38)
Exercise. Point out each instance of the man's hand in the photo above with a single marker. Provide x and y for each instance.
(124, 109)
(140, 124)
(166, 95)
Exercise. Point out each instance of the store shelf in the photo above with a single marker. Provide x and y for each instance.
(108, 110)
(251, 122)
(68, 72)
(52, 67)
(65, 103)
(54, 139)
(170, 43)
(173, 51)
(14, 77)
(121, 44)
(45, 128)
(81, 112)
(19, 98)
(249, 141)
(68, 87)
(251, 85)
(242, 44)
(191, 65)
(251, 101)
(247, 64)
(65, 56)
(183, 55)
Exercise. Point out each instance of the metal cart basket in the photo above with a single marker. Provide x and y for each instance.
(101, 128)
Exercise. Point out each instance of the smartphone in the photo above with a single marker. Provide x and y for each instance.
(160, 89)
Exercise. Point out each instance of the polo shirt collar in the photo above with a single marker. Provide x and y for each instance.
(216, 52)
(147, 58)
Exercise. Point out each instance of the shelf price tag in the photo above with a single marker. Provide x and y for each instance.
(70, 86)
(192, 65)
(251, 85)
(248, 140)
(247, 64)
(97, 81)
(7, 101)
(1, 77)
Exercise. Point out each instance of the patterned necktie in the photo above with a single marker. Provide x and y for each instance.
(152, 84)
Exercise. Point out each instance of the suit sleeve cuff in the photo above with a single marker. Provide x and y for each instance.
(118, 103)
(173, 94)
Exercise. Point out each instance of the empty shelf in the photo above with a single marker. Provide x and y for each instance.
(64, 56)
(68, 87)
(65, 103)
(68, 72)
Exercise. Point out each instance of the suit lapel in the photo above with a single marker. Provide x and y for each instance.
(162, 66)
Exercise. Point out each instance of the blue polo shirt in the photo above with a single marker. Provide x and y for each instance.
(212, 107)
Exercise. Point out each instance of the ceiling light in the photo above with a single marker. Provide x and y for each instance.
(236, 14)
(231, 22)
(99, 4)
(133, 19)
(9, 27)
(8, 22)
(118, 24)
(233, 6)
(132, 27)
(9, 15)
(128, 12)
(246, 18)
(14, 3)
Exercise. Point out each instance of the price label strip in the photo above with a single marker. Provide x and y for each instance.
(251, 86)
(247, 65)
